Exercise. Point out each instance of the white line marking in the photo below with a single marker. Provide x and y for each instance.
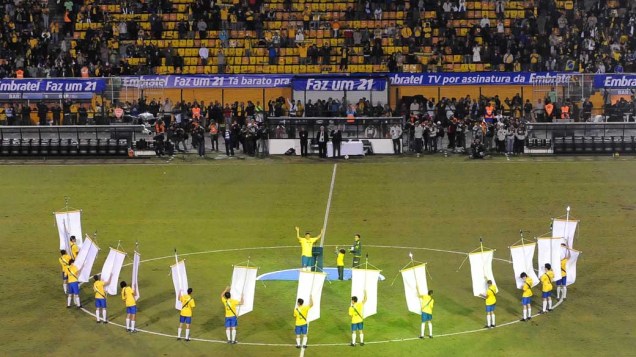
(319, 344)
(324, 224)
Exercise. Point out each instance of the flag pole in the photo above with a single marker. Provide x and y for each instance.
(565, 229)
(417, 288)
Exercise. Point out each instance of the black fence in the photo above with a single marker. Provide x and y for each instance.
(583, 138)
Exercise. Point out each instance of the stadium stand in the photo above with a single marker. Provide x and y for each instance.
(103, 38)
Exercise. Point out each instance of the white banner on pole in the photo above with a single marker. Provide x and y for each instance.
(244, 287)
(522, 262)
(112, 268)
(415, 285)
(565, 228)
(550, 252)
(180, 282)
(86, 258)
(135, 274)
(69, 224)
(310, 283)
(366, 280)
(570, 267)
(481, 271)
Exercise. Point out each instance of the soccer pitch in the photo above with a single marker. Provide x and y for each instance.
(217, 214)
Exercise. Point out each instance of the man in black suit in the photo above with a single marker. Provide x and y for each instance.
(336, 140)
(304, 138)
(322, 138)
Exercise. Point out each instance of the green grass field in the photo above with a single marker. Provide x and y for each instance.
(436, 203)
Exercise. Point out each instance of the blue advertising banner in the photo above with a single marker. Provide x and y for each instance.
(208, 81)
(95, 85)
(339, 83)
(614, 81)
(481, 78)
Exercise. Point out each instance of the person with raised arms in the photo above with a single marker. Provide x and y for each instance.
(546, 288)
(306, 245)
(64, 262)
(128, 296)
(526, 297)
(185, 316)
(74, 247)
(562, 289)
(491, 301)
(300, 314)
(427, 303)
(356, 311)
(231, 316)
(100, 298)
(73, 284)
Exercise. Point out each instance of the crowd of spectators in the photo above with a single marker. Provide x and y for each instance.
(586, 36)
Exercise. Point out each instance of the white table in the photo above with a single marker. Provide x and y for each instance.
(351, 148)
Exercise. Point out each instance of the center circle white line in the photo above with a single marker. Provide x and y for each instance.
(317, 344)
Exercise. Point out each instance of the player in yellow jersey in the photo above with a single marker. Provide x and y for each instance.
(306, 245)
(562, 289)
(546, 288)
(491, 301)
(340, 255)
(64, 259)
(356, 311)
(300, 314)
(427, 302)
(74, 247)
(185, 317)
(231, 316)
(100, 298)
(526, 297)
(73, 284)
(128, 296)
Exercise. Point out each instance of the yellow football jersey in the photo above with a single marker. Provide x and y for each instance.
(427, 304)
(356, 311)
(300, 313)
(187, 304)
(230, 307)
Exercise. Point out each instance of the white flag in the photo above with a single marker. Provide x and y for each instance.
(112, 268)
(481, 271)
(244, 288)
(366, 280)
(522, 262)
(570, 267)
(565, 228)
(135, 274)
(69, 224)
(415, 284)
(180, 282)
(550, 252)
(310, 284)
(85, 259)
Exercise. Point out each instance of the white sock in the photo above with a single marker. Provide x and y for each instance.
(305, 340)
(525, 313)
(127, 324)
(297, 341)
(132, 325)
(233, 334)
(228, 334)
(187, 333)
(550, 303)
(422, 329)
(493, 320)
(361, 337)
(104, 315)
(77, 300)
(487, 319)
(565, 292)
(529, 311)
(97, 314)
(68, 300)
(64, 285)
(353, 338)
(558, 292)
(545, 304)
(430, 329)
(179, 332)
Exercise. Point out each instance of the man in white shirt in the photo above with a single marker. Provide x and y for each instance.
(396, 135)
(204, 53)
